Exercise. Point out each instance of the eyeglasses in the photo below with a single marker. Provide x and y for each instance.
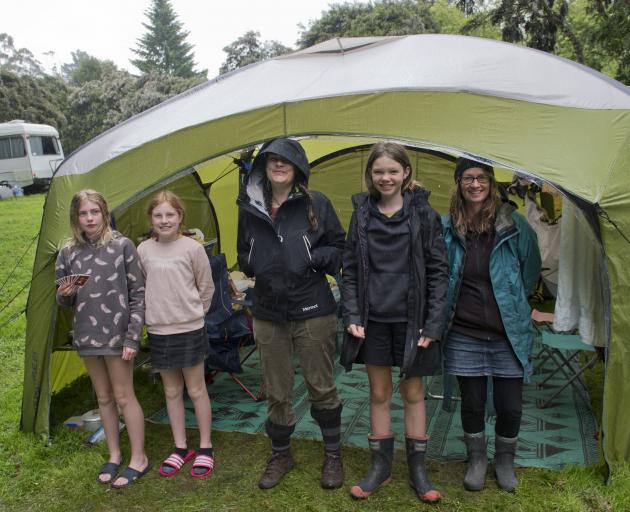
(482, 179)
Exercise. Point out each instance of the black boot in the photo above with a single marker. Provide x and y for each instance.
(504, 449)
(476, 445)
(416, 451)
(382, 448)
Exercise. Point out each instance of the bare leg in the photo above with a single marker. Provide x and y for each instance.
(380, 378)
(99, 376)
(173, 382)
(198, 393)
(121, 378)
(412, 393)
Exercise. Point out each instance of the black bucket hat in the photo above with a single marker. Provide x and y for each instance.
(286, 148)
(463, 164)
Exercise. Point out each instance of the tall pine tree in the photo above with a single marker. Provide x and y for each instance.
(163, 48)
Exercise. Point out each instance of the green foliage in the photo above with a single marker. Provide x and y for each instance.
(85, 68)
(98, 105)
(611, 34)
(33, 99)
(248, 49)
(163, 48)
(378, 18)
(18, 60)
(454, 20)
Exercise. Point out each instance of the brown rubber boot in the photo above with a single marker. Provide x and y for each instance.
(278, 465)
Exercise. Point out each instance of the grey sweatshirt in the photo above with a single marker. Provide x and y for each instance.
(109, 308)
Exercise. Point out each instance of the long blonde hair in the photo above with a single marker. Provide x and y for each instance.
(396, 152)
(105, 234)
(482, 223)
(166, 196)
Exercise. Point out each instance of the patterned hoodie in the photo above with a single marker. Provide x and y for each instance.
(109, 307)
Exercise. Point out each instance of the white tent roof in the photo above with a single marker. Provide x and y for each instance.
(344, 66)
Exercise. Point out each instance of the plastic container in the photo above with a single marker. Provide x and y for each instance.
(99, 434)
(74, 422)
(91, 420)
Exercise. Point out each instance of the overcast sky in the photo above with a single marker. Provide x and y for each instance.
(107, 29)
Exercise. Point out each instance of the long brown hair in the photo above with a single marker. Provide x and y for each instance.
(482, 223)
(166, 196)
(78, 236)
(396, 152)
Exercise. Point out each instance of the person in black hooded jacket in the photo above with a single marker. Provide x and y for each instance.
(395, 277)
(289, 238)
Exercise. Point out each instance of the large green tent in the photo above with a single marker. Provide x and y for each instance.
(527, 112)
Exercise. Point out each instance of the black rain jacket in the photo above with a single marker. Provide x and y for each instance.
(426, 297)
(288, 260)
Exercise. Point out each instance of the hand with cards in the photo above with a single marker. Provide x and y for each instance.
(68, 285)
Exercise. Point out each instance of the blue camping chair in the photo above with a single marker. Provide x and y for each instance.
(229, 327)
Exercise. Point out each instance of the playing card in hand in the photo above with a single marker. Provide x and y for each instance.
(76, 279)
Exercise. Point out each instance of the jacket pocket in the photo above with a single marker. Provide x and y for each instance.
(297, 252)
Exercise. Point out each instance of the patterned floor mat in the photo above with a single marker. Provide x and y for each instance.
(562, 434)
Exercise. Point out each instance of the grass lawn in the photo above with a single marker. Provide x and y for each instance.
(61, 476)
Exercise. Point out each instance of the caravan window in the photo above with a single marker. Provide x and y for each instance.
(43, 145)
(12, 147)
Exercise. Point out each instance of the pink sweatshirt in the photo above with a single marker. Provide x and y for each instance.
(179, 285)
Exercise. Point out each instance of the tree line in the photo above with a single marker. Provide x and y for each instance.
(89, 95)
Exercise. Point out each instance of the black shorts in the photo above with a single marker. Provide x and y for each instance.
(384, 345)
(182, 350)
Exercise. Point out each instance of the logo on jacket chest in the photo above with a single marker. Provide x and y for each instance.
(310, 308)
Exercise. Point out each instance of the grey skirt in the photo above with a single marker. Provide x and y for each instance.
(181, 350)
(472, 357)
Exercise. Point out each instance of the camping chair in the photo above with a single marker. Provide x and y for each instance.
(563, 351)
(229, 327)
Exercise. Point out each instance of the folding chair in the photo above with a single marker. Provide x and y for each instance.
(563, 351)
(229, 328)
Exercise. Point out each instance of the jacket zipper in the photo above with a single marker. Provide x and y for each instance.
(307, 244)
(251, 248)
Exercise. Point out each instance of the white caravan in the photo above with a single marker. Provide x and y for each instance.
(29, 153)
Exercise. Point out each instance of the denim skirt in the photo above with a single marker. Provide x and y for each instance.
(472, 357)
(181, 350)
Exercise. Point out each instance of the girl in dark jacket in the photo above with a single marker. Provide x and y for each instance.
(394, 295)
(494, 266)
(289, 238)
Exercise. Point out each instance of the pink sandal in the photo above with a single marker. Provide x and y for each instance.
(202, 461)
(176, 462)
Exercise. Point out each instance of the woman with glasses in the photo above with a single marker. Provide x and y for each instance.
(494, 266)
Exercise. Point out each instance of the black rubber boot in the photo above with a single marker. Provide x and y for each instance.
(416, 451)
(382, 448)
(505, 447)
(476, 447)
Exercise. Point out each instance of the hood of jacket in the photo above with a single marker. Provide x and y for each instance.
(252, 192)
(286, 148)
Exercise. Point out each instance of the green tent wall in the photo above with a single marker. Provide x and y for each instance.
(525, 111)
